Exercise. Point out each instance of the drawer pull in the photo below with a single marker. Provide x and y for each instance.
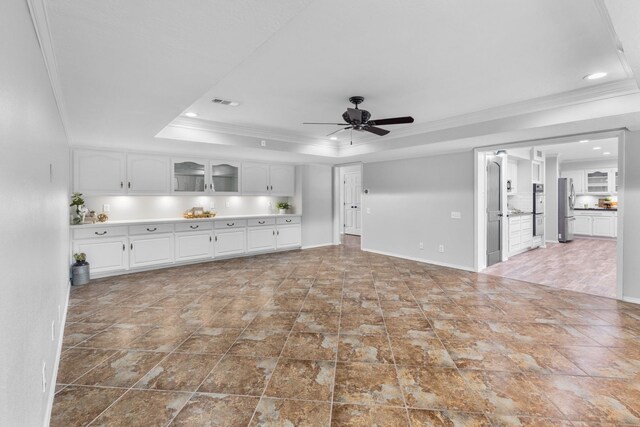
(101, 234)
(152, 229)
(231, 225)
(260, 222)
(287, 220)
(193, 227)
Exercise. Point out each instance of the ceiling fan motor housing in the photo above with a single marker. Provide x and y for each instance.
(364, 114)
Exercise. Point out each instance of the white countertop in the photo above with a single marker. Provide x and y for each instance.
(174, 220)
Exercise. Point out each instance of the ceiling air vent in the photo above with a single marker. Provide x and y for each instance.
(221, 101)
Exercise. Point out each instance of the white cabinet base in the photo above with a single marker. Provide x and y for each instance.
(288, 236)
(151, 250)
(230, 242)
(194, 245)
(261, 239)
(104, 255)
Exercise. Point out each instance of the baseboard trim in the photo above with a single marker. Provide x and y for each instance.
(52, 386)
(322, 245)
(631, 300)
(424, 261)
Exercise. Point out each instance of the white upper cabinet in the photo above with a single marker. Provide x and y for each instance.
(255, 178)
(148, 174)
(578, 179)
(264, 179)
(598, 181)
(189, 176)
(224, 177)
(282, 180)
(99, 172)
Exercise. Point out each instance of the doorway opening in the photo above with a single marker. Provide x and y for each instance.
(548, 212)
(349, 203)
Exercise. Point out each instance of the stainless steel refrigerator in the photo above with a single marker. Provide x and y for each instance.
(566, 202)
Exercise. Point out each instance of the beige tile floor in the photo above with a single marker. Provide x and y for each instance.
(583, 265)
(337, 336)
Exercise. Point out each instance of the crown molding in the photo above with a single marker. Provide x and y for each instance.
(608, 24)
(39, 17)
(250, 131)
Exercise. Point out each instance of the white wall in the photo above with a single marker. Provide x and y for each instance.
(631, 217)
(316, 196)
(412, 200)
(157, 207)
(34, 233)
(551, 199)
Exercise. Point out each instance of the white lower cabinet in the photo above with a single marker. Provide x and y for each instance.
(602, 226)
(194, 245)
(151, 250)
(261, 239)
(288, 236)
(104, 255)
(520, 233)
(582, 225)
(229, 242)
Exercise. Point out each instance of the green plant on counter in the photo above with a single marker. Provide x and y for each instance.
(77, 200)
(81, 258)
(283, 205)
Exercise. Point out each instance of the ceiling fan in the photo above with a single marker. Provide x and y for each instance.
(360, 120)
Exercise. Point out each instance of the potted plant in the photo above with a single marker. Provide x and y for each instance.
(77, 202)
(283, 207)
(80, 273)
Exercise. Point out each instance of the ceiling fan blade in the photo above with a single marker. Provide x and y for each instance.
(338, 124)
(339, 130)
(354, 115)
(377, 131)
(391, 121)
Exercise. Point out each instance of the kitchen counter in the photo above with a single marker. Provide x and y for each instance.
(176, 220)
(596, 209)
(519, 213)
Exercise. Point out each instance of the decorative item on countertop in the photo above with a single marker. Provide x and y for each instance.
(103, 217)
(91, 218)
(80, 273)
(283, 207)
(198, 212)
(79, 211)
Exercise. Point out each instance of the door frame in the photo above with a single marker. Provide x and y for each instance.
(338, 199)
(480, 261)
(344, 204)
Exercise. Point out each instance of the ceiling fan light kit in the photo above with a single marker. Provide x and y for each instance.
(360, 120)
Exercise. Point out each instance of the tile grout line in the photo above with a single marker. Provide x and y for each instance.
(264, 391)
(335, 361)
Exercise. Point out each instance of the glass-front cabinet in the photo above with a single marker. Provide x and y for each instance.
(224, 177)
(188, 176)
(598, 181)
(192, 176)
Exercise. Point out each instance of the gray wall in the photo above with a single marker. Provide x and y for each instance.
(631, 218)
(34, 248)
(316, 196)
(412, 200)
(551, 199)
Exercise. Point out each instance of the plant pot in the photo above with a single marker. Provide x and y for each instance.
(80, 274)
(283, 211)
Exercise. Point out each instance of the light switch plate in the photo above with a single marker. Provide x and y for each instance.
(456, 215)
(106, 208)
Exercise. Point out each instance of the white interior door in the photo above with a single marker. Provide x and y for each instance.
(352, 194)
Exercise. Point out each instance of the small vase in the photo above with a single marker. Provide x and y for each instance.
(283, 211)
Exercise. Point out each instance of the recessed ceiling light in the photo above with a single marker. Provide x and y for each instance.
(595, 76)
(606, 153)
(597, 148)
(333, 138)
(582, 141)
(191, 114)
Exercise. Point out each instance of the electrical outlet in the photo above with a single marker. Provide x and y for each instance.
(456, 215)
(421, 245)
(263, 143)
(441, 248)
(212, 206)
(106, 208)
(227, 204)
(44, 377)
(53, 330)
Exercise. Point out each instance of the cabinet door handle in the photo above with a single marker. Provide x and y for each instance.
(121, 184)
(260, 222)
(132, 246)
(278, 232)
(129, 184)
(274, 232)
(193, 227)
(100, 234)
(267, 188)
(272, 188)
(216, 238)
(124, 247)
(152, 229)
(231, 225)
(210, 238)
